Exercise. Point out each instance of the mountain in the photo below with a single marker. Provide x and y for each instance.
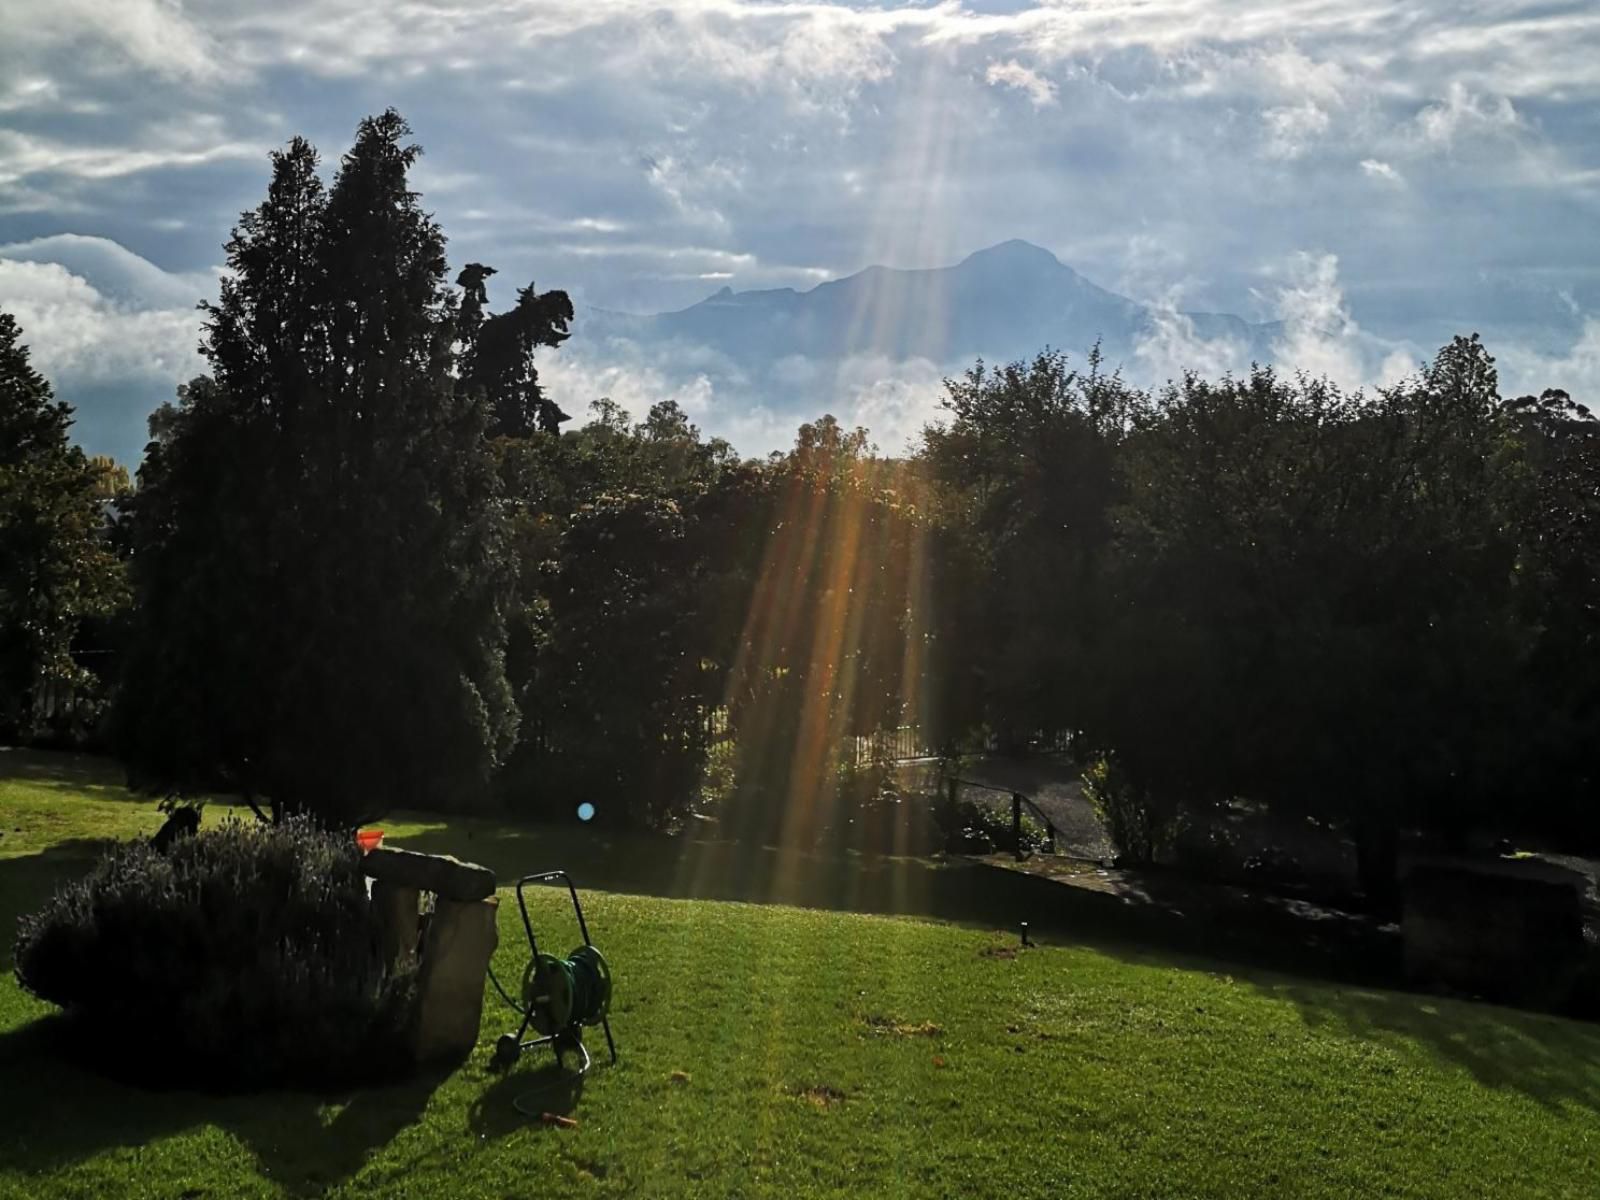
(1006, 302)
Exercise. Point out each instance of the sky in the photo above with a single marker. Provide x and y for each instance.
(1402, 172)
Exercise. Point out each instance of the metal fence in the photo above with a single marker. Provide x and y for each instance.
(1072, 829)
(908, 743)
(902, 744)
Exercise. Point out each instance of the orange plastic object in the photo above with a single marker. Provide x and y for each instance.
(368, 839)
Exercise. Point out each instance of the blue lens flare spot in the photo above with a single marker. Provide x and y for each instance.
(585, 811)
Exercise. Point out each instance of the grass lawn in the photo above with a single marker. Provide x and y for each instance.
(776, 1050)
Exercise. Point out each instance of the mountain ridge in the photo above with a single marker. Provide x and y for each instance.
(1000, 302)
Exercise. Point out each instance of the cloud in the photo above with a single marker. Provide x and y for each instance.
(575, 383)
(1377, 169)
(1030, 83)
(1291, 130)
(1173, 346)
(22, 156)
(1465, 113)
(113, 358)
(1321, 337)
(1316, 334)
(116, 274)
(893, 398)
(1577, 371)
(146, 34)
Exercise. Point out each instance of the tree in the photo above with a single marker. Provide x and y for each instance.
(1027, 464)
(1313, 603)
(56, 568)
(620, 531)
(1558, 696)
(830, 624)
(320, 550)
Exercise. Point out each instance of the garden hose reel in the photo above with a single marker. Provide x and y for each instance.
(558, 997)
(564, 993)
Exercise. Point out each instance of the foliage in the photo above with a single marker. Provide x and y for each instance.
(1559, 537)
(1026, 464)
(968, 825)
(1313, 602)
(1141, 825)
(320, 550)
(837, 624)
(622, 534)
(621, 692)
(57, 569)
(243, 955)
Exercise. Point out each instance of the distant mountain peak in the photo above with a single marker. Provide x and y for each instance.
(999, 303)
(1013, 251)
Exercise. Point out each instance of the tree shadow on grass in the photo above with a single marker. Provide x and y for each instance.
(60, 1112)
(27, 880)
(1551, 1060)
(82, 774)
(1157, 914)
(56, 1109)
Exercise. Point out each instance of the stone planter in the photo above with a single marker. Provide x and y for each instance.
(453, 954)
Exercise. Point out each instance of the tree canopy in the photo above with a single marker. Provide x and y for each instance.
(56, 566)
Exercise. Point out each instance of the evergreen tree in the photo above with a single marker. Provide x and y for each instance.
(320, 559)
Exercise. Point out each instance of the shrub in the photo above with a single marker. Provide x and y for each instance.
(244, 955)
(1139, 824)
(970, 827)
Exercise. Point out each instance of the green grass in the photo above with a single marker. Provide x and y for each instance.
(828, 1053)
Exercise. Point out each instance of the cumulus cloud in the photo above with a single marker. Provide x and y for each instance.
(1315, 333)
(894, 399)
(576, 382)
(759, 412)
(113, 358)
(113, 272)
(1577, 371)
(1465, 113)
(1321, 337)
(1029, 82)
(1319, 334)
(1173, 346)
(77, 333)
(1292, 130)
